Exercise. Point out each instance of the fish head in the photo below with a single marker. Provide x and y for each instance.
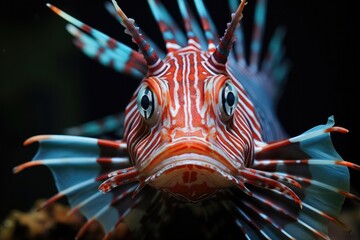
(185, 130)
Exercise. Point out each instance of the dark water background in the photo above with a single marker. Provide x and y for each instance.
(46, 84)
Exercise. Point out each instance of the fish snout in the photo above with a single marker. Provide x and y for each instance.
(190, 170)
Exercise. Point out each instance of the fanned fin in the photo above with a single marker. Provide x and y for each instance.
(315, 142)
(324, 177)
(266, 218)
(100, 43)
(120, 62)
(79, 165)
(253, 224)
(108, 213)
(261, 205)
(268, 203)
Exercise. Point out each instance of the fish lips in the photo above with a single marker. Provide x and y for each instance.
(191, 177)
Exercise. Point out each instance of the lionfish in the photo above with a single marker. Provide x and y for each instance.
(201, 138)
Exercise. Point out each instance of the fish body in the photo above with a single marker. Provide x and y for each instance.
(200, 129)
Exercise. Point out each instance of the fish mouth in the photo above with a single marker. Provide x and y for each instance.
(200, 152)
(192, 162)
(190, 170)
(191, 177)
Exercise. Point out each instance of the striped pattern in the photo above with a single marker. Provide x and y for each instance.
(168, 28)
(189, 144)
(188, 114)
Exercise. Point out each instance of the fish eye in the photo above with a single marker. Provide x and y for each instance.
(228, 100)
(146, 102)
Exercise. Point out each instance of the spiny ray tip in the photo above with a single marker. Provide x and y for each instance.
(119, 10)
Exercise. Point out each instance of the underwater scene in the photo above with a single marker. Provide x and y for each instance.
(179, 119)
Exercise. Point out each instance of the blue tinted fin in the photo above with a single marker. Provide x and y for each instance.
(258, 32)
